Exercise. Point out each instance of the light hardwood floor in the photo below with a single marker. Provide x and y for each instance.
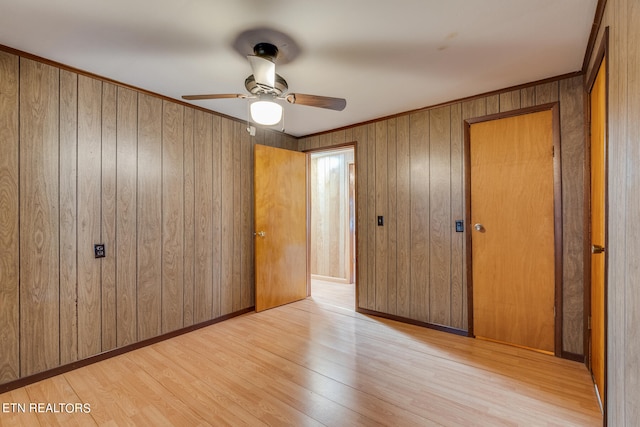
(332, 293)
(316, 363)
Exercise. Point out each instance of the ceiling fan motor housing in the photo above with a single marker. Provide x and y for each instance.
(266, 50)
(254, 88)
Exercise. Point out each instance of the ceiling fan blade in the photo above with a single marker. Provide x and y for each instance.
(264, 70)
(337, 104)
(214, 96)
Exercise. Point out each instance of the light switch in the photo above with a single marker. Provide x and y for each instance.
(98, 250)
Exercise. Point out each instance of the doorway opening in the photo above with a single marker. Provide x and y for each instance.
(332, 233)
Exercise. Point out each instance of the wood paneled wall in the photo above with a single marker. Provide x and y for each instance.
(330, 245)
(623, 240)
(410, 169)
(167, 188)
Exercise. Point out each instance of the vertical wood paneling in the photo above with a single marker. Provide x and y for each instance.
(509, 101)
(403, 216)
(493, 104)
(348, 228)
(189, 221)
(237, 232)
(149, 216)
(341, 238)
(546, 93)
(338, 137)
(217, 203)
(616, 16)
(440, 216)
(276, 139)
(573, 156)
(314, 142)
(259, 138)
(172, 216)
(9, 219)
(109, 173)
(270, 139)
(320, 219)
(362, 215)
(392, 220)
(311, 142)
(371, 216)
(68, 217)
(316, 263)
(39, 217)
(419, 146)
(314, 235)
(203, 289)
(458, 254)
(226, 265)
(86, 161)
(527, 97)
(89, 220)
(475, 108)
(292, 142)
(348, 135)
(382, 208)
(246, 219)
(632, 312)
(287, 142)
(126, 222)
(325, 140)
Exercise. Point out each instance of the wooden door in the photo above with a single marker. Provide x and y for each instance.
(598, 171)
(280, 226)
(512, 215)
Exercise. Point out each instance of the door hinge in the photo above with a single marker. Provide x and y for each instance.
(553, 151)
(589, 323)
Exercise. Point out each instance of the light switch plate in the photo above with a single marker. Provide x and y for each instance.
(98, 250)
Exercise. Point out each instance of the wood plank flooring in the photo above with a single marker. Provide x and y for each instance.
(333, 293)
(317, 362)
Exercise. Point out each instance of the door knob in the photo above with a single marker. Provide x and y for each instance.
(597, 249)
(479, 227)
(260, 233)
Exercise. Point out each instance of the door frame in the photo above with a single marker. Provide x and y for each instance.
(353, 146)
(601, 55)
(557, 211)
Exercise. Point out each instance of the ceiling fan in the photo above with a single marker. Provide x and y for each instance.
(267, 87)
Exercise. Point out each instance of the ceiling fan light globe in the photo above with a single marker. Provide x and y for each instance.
(266, 113)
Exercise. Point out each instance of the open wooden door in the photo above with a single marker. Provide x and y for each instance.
(512, 240)
(280, 226)
(598, 230)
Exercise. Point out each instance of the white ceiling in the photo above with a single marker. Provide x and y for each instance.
(384, 57)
